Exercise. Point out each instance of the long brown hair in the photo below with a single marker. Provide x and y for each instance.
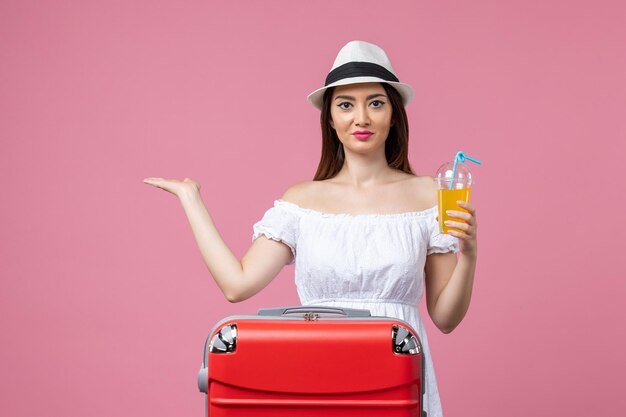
(396, 145)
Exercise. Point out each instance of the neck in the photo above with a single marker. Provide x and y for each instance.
(364, 170)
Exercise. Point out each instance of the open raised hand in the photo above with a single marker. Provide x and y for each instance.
(177, 187)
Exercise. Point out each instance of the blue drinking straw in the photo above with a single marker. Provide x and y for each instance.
(460, 156)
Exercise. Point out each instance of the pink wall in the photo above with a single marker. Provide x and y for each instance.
(104, 299)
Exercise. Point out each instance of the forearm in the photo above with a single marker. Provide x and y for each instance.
(454, 300)
(223, 265)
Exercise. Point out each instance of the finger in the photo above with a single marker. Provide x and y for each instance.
(459, 235)
(458, 225)
(466, 206)
(160, 183)
(468, 235)
(151, 180)
(460, 215)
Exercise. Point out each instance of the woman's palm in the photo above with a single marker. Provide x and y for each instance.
(174, 186)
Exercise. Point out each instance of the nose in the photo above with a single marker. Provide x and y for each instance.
(361, 116)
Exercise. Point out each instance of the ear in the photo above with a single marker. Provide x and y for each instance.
(331, 123)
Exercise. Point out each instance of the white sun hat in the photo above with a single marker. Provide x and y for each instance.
(361, 62)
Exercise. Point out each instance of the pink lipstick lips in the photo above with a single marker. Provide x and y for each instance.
(362, 134)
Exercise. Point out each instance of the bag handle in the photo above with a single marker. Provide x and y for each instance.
(283, 311)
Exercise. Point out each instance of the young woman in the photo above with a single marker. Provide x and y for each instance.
(364, 232)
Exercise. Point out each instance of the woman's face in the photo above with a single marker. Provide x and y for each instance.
(361, 116)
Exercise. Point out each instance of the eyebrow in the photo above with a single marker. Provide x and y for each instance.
(371, 96)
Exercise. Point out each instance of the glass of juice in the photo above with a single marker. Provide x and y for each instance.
(450, 190)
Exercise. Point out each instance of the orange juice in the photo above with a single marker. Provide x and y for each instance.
(447, 201)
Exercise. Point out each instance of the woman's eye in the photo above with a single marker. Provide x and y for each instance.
(377, 103)
(345, 105)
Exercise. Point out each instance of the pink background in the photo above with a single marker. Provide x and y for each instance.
(104, 299)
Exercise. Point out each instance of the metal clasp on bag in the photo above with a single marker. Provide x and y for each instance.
(310, 316)
(224, 341)
(403, 341)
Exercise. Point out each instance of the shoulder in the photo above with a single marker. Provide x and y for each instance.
(302, 193)
(422, 190)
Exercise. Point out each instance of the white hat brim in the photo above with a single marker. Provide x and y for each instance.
(405, 90)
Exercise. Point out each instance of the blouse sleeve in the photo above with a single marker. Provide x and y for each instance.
(279, 224)
(440, 242)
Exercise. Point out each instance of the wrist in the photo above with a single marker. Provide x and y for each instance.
(190, 195)
(468, 256)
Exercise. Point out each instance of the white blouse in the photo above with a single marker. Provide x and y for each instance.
(368, 261)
